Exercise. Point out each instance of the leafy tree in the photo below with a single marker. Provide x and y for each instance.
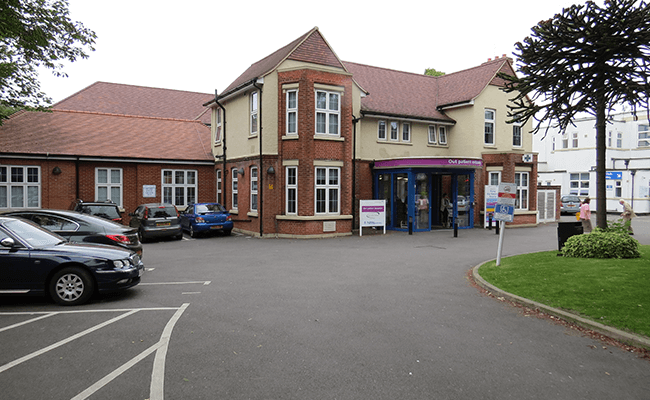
(586, 59)
(433, 72)
(33, 34)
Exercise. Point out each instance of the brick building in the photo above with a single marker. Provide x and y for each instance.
(300, 137)
(109, 141)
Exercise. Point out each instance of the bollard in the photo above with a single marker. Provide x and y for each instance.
(490, 220)
(410, 225)
(497, 228)
(455, 229)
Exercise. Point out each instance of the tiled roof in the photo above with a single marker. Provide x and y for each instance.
(310, 47)
(82, 133)
(419, 96)
(397, 93)
(114, 98)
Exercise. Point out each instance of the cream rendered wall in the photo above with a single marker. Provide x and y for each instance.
(369, 147)
(469, 130)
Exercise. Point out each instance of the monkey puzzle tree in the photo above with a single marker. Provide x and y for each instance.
(586, 59)
(36, 33)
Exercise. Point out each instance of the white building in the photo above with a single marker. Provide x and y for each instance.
(568, 159)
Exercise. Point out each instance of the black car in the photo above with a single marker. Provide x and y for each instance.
(36, 261)
(82, 228)
(104, 209)
(156, 220)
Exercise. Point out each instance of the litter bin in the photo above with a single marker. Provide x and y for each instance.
(567, 229)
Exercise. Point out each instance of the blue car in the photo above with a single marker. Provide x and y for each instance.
(206, 217)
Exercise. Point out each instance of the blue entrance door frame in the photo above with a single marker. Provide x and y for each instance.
(395, 223)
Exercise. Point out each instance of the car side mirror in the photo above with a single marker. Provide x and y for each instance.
(7, 242)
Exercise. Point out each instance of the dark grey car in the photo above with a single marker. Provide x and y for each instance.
(156, 220)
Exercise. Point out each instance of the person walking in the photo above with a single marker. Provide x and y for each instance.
(627, 215)
(444, 210)
(585, 216)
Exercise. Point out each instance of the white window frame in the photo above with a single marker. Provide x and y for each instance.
(29, 186)
(381, 124)
(442, 135)
(565, 141)
(254, 189)
(234, 192)
(291, 187)
(254, 113)
(619, 140)
(292, 111)
(109, 185)
(492, 176)
(217, 129)
(517, 138)
(433, 133)
(643, 131)
(522, 195)
(328, 112)
(406, 132)
(182, 187)
(331, 191)
(394, 133)
(219, 182)
(490, 123)
(574, 140)
(579, 183)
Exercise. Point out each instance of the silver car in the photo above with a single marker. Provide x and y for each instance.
(570, 204)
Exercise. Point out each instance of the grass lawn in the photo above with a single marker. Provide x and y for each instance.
(614, 292)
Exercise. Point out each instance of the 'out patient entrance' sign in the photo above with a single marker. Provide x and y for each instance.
(373, 214)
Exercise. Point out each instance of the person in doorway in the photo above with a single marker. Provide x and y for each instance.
(444, 210)
(423, 210)
(585, 216)
(627, 215)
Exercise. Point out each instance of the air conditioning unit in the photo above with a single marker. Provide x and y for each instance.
(527, 158)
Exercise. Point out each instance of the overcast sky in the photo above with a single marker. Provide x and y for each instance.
(203, 45)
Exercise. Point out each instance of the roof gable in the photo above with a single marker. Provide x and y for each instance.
(113, 98)
(467, 85)
(310, 47)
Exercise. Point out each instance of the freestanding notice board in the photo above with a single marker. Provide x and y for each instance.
(373, 214)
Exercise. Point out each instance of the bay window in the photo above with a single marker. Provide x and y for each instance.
(292, 112)
(328, 113)
(328, 187)
(292, 190)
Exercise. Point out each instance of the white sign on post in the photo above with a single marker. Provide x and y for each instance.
(373, 214)
(504, 211)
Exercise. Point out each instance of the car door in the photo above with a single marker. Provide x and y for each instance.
(187, 216)
(20, 272)
(136, 218)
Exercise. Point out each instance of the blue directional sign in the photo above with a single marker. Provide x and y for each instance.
(613, 175)
(504, 212)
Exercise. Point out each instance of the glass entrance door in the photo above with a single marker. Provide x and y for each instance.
(400, 200)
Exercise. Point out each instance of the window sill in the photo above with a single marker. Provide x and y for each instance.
(394, 142)
(323, 217)
(290, 137)
(438, 145)
(320, 136)
(252, 214)
(234, 211)
(252, 136)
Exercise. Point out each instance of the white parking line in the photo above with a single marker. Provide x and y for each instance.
(62, 342)
(29, 321)
(176, 283)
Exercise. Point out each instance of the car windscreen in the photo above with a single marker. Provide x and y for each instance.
(33, 235)
(162, 212)
(209, 208)
(570, 199)
(101, 211)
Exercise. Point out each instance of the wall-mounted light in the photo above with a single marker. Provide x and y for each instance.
(271, 170)
(56, 171)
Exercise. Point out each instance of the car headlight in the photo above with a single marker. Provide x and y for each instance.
(121, 264)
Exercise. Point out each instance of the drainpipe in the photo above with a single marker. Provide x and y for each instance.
(260, 173)
(354, 166)
(223, 144)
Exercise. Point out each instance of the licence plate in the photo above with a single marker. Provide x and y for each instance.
(216, 227)
(163, 223)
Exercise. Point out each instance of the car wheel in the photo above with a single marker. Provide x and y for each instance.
(228, 232)
(71, 286)
(193, 233)
(141, 235)
(179, 236)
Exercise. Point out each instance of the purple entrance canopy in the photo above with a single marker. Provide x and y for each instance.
(431, 162)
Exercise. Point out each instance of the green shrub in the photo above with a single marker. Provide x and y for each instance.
(601, 243)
